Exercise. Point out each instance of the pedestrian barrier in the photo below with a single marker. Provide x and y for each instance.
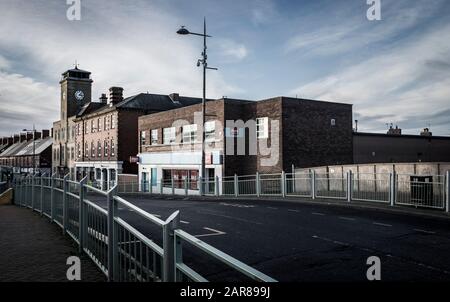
(115, 243)
(388, 188)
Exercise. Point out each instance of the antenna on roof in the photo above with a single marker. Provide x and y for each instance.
(76, 64)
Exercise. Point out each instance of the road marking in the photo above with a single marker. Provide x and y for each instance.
(346, 218)
(424, 231)
(387, 255)
(317, 213)
(290, 210)
(185, 222)
(382, 224)
(159, 216)
(214, 232)
(230, 217)
(237, 205)
(272, 208)
(330, 240)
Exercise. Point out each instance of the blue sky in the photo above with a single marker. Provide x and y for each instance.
(394, 70)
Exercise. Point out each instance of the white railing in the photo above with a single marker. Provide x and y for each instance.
(388, 188)
(115, 242)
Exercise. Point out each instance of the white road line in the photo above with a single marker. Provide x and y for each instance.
(215, 232)
(346, 218)
(159, 216)
(317, 213)
(229, 217)
(290, 210)
(382, 224)
(185, 222)
(330, 240)
(424, 231)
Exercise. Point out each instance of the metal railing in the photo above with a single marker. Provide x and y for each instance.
(142, 249)
(388, 188)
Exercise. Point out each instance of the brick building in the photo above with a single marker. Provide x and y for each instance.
(106, 132)
(76, 86)
(400, 148)
(244, 137)
(19, 156)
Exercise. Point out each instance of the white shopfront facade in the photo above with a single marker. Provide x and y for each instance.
(177, 166)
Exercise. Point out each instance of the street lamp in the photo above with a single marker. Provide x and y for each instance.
(34, 148)
(203, 61)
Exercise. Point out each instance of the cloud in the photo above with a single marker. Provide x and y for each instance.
(350, 33)
(232, 50)
(404, 81)
(140, 53)
(263, 12)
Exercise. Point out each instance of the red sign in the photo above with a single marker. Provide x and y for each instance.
(208, 159)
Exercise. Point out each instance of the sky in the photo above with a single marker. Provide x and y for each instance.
(395, 70)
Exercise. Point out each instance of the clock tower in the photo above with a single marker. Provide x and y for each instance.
(75, 91)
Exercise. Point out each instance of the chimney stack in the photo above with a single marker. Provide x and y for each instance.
(103, 98)
(115, 95)
(45, 134)
(23, 137)
(16, 138)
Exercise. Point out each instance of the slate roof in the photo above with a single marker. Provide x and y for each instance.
(142, 101)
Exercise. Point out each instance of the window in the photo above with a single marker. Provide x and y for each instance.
(113, 151)
(106, 122)
(86, 149)
(72, 153)
(262, 127)
(92, 149)
(169, 135)
(142, 136)
(99, 125)
(99, 149)
(333, 122)
(154, 137)
(92, 126)
(210, 131)
(113, 123)
(189, 133)
(105, 147)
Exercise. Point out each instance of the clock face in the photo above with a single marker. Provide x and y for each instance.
(79, 95)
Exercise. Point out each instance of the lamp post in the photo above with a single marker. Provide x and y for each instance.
(203, 61)
(34, 148)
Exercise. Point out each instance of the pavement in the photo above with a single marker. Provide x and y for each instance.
(305, 240)
(34, 250)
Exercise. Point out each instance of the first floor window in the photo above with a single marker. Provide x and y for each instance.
(99, 149)
(189, 133)
(262, 127)
(154, 137)
(169, 136)
(92, 149)
(105, 147)
(143, 141)
(113, 148)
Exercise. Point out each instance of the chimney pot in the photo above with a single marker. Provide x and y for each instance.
(115, 95)
(103, 98)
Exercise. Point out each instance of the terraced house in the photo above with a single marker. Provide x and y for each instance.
(106, 133)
